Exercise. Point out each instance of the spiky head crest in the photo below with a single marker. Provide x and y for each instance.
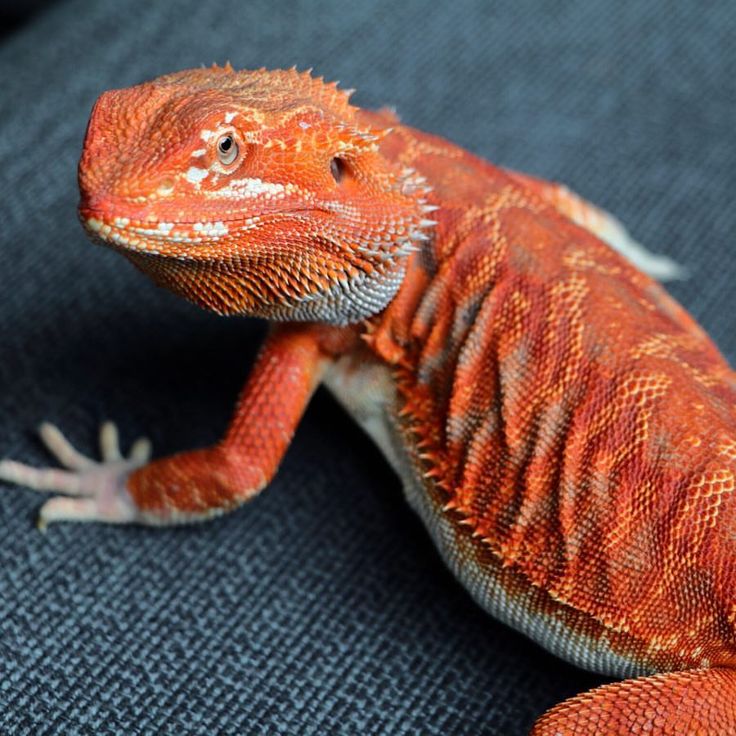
(251, 192)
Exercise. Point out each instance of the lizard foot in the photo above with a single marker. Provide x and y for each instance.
(92, 491)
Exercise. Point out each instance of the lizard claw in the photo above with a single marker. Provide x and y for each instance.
(92, 491)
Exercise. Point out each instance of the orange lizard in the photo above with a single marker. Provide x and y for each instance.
(564, 429)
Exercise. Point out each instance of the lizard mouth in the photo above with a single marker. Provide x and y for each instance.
(177, 238)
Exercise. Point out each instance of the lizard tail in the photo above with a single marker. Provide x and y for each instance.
(692, 702)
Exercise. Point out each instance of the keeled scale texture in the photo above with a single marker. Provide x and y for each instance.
(579, 422)
(578, 427)
(698, 703)
(666, 177)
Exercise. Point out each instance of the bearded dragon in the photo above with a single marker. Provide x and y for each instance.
(562, 426)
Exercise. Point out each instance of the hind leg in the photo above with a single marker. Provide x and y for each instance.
(690, 703)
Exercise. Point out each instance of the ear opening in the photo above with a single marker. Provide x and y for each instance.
(338, 168)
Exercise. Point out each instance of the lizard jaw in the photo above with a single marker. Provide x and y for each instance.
(177, 239)
(158, 237)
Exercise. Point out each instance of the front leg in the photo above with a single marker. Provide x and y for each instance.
(193, 485)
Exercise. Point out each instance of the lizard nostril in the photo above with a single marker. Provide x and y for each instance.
(166, 187)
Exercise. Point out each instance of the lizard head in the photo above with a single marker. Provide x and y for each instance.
(251, 193)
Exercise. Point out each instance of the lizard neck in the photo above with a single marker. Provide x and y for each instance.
(459, 187)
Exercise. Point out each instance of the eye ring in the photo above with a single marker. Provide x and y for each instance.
(227, 149)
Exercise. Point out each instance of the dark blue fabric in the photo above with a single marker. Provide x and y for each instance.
(322, 607)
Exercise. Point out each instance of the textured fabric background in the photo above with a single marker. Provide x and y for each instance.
(322, 607)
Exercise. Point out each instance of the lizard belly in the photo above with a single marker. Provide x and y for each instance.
(367, 391)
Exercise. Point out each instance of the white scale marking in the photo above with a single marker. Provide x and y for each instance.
(213, 229)
(195, 174)
(243, 188)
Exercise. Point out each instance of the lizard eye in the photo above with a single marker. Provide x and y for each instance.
(227, 149)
